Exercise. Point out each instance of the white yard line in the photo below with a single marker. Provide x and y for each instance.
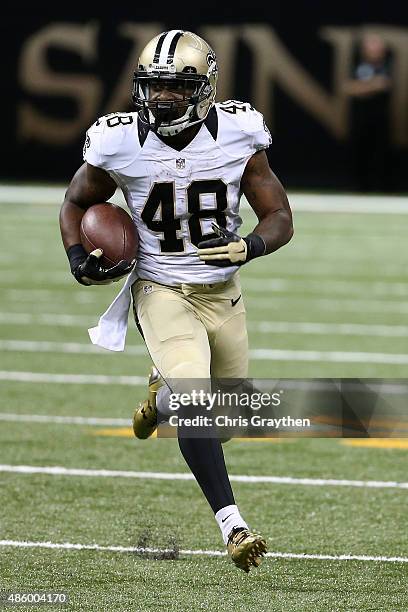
(189, 552)
(31, 194)
(348, 329)
(38, 277)
(33, 346)
(308, 202)
(41, 195)
(100, 379)
(63, 420)
(348, 203)
(49, 319)
(34, 296)
(286, 480)
(328, 356)
(295, 302)
(259, 354)
(73, 379)
(308, 287)
(320, 271)
(313, 286)
(286, 327)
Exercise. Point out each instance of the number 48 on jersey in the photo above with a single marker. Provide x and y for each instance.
(162, 196)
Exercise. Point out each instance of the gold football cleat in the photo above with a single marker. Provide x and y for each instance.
(246, 548)
(145, 416)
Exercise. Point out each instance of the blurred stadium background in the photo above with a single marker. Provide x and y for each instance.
(333, 303)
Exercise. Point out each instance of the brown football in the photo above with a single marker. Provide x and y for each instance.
(109, 227)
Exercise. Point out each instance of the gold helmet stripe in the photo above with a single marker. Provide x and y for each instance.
(169, 44)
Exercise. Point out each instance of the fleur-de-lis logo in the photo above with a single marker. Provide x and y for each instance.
(211, 58)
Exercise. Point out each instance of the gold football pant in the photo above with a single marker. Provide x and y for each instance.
(194, 331)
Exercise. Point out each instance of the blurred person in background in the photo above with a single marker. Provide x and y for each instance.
(369, 89)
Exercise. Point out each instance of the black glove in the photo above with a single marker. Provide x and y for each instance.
(88, 270)
(230, 249)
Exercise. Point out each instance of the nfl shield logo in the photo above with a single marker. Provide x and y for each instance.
(180, 163)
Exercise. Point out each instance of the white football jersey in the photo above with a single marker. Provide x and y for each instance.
(174, 196)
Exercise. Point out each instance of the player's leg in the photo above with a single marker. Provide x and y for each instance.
(178, 343)
(226, 323)
(174, 335)
(229, 348)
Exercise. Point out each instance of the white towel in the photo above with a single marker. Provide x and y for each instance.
(110, 333)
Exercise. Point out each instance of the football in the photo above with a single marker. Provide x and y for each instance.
(109, 227)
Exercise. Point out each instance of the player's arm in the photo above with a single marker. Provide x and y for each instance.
(268, 199)
(90, 185)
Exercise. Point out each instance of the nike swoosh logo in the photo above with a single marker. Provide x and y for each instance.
(234, 302)
(227, 517)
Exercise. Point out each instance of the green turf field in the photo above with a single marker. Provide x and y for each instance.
(333, 303)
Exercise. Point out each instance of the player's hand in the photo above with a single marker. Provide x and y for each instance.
(230, 249)
(91, 272)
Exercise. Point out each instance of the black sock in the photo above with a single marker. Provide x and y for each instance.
(205, 458)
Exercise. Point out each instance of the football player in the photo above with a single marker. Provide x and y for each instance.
(183, 162)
